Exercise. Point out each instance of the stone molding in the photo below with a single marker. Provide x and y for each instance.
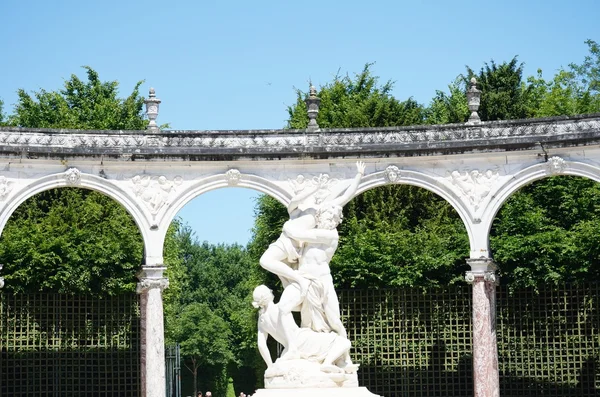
(482, 269)
(261, 142)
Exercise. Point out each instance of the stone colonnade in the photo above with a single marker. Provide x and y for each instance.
(474, 166)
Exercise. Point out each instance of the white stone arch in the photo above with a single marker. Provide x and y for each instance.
(427, 182)
(555, 166)
(232, 178)
(84, 181)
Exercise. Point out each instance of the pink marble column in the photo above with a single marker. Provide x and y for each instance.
(152, 360)
(486, 380)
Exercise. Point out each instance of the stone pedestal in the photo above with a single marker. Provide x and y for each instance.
(298, 378)
(316, 392)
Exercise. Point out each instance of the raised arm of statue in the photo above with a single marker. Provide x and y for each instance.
(351, 190)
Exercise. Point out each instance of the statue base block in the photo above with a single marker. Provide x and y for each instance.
(316, 392)
(304, 374)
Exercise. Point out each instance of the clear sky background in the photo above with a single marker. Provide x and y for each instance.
(235, 64)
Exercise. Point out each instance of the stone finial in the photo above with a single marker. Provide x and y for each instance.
(152, 104)
(312, 106)
(474, 100)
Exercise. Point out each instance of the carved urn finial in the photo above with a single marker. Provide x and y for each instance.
(152, 104)
(474, 100)
(312, 106)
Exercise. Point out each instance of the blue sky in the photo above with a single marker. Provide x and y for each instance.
(235, 64)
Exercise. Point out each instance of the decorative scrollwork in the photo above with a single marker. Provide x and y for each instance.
(474, 186)
(149, 283)
(488, 276)
(469, 277)
(5, 187)
(154, 192)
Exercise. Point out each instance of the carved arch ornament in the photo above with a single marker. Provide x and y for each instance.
(19, 193)
(532, 174)
(473, 186)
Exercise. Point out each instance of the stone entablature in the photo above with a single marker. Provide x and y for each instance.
(276, 144)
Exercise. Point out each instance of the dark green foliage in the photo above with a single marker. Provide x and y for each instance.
(2, 115)
(91, 105)
(358, 102)
(220, 278)
(502, 96)
(449, 108)
(547, 233)
(399, 236)
(71, 241)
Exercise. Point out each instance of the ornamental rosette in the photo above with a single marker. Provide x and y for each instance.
(392, 173)
(470, 277)
(556, 165)
(73, 176)
(233, 176)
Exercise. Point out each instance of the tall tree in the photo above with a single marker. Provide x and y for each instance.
(91, 105)
(204, 340)
(545, 233)
(357, 102)
(503, 96)
(73, 240)
(449, 108)
(221, 277)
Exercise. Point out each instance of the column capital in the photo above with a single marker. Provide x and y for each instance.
(482, 268)
(151, 277)
(490, 277)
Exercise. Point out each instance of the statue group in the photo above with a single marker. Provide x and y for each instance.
(316, 352)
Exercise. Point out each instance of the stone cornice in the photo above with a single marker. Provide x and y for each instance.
(326, 143)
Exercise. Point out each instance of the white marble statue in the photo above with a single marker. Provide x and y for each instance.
(319, 348)
(325, 348)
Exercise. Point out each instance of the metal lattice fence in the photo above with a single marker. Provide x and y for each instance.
(415, 343)
(548, 342)
(62, 345)
(409, 342)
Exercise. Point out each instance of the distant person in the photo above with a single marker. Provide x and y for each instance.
(199, 394)
(208, 394)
